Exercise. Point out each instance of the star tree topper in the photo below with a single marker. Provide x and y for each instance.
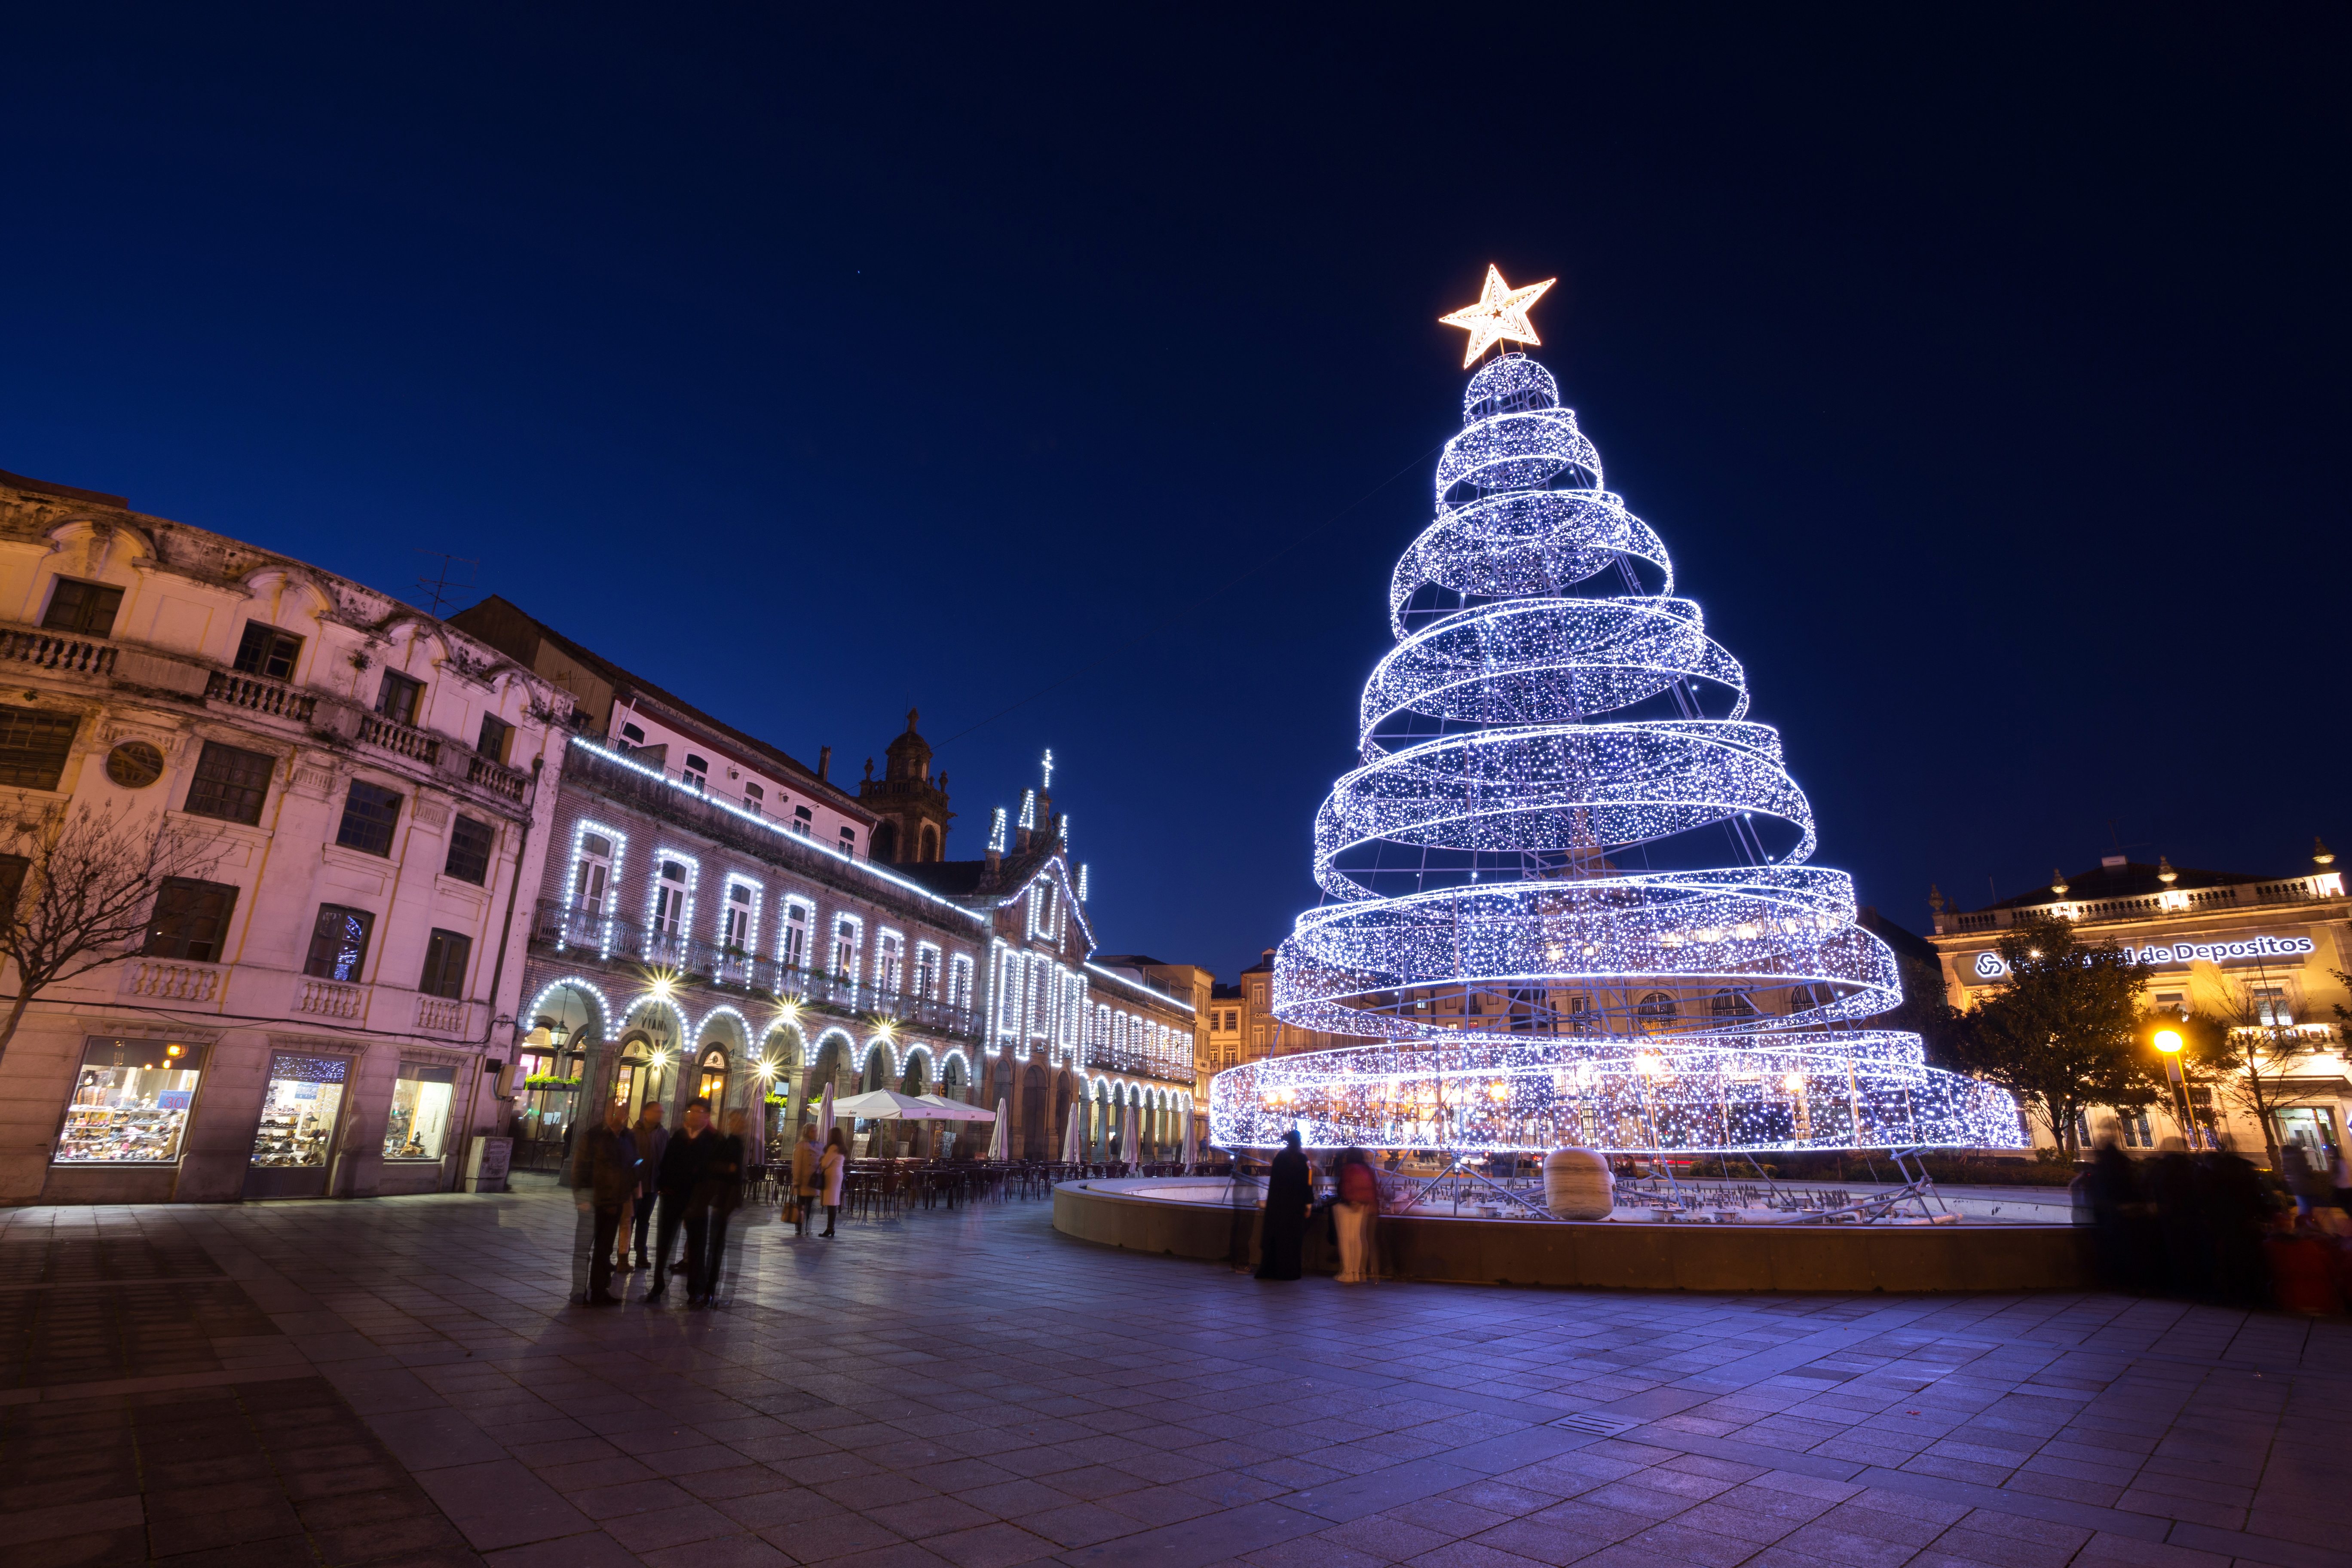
(1500, 316)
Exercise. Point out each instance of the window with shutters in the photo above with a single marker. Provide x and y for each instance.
(78, 606)
(399, 698)
(494, 737)
(191, 919)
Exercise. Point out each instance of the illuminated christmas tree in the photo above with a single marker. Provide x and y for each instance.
(1567, 890)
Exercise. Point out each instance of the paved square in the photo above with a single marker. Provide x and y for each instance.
(397, 1382)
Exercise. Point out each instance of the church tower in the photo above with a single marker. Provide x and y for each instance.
(913, 809)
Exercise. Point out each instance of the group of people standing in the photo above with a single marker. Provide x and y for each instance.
(1353, 1208)
(643, 1178)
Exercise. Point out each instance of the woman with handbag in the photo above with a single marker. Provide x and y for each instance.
(805, 1188)
(830, 1166)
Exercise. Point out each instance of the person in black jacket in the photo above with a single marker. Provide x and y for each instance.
(653, 1143)
(716, 1198)
(682, 1165)
(1289, 1195)
(604, 1172)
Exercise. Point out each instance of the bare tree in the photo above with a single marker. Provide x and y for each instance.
(2256, 1057)
(77, 889)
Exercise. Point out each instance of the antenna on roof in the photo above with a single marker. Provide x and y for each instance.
(438, 587)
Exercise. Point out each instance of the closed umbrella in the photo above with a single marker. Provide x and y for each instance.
(1070, 1136)
(824, 1116)
(1131, 1145)
(1191, 1142)
(996, 1139)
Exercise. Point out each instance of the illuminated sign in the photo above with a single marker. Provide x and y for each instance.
(1989, 966)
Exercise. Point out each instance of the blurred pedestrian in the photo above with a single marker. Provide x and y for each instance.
(605, 1174)
(804, 1187)
(2173, 1185)
(2342, 1171)
(1355, 1213)
(2232, 1208)
(829, 1168)
(2310, 1176)
(717, 1195)
(681, 1172)
(653, 1143)
(1289, 1199)
(2112, 1187)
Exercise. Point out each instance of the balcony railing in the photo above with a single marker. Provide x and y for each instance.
(50, 651)
(578, 931)
(162, 980)
(2323, 888)
(440, 1016)
(326, 999)
(250, 691)
(492, 776)
(392, 736)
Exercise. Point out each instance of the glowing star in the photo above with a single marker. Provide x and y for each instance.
(1500, 316)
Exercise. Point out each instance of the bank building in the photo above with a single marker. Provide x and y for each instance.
(2262, 953)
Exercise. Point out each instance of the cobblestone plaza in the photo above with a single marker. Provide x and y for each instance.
(397, 1382)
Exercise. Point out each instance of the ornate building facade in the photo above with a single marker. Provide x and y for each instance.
(2262, 954)
(718, 919)
(354, 796)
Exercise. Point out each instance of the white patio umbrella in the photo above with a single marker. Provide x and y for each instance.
(1191, 1141)
(956, 1109)
(1070, 1137)
(996, 1139)
(1130, 1138)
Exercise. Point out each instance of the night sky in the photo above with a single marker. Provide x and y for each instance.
(1984, 373)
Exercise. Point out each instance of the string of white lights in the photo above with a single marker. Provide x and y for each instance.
(1527, 907)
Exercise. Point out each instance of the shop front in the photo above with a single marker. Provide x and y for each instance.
(416, 1127)
(128, 1115)
(294, 1144)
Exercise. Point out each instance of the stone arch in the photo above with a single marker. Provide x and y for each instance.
(831, 1064)
(930, 843)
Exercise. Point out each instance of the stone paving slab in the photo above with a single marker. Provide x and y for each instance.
(399, 1381)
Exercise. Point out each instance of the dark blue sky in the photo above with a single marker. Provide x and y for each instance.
(1985, 375)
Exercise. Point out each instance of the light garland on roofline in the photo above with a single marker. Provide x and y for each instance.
(1527, 897)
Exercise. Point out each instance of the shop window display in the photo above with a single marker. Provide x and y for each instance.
(297, 1117)
(130, 1102)
(418, 1126)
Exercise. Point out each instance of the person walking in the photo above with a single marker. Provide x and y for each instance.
(681, 1172)
(605, 1173)
(653, 1143)
(1357, 1206)
(830, 1166)
(717, 1198)
(1289, 1198)
(805, 1185)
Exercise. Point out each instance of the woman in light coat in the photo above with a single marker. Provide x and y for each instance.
(804, 1187)
(830, 1166)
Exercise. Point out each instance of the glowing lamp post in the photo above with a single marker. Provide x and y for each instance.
(2167, 1045)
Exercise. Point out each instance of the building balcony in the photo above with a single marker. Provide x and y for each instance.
(592, 938)
(2291, 892)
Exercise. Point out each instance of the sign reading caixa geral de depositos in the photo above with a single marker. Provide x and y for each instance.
(1985, 967)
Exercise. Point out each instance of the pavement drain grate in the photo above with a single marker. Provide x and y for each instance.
(1596, 1424)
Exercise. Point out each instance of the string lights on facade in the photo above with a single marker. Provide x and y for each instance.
(1566, 888)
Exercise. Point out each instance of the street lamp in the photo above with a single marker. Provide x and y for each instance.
(2167, 1045)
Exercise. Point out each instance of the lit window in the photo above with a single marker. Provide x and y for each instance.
(670, 900)
(418, 1126)
(2272, 1006)
(595, 872)
(338, 943)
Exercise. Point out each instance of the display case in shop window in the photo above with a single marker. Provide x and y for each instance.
(418, 1125)
(130, 1102)
(296, 1136)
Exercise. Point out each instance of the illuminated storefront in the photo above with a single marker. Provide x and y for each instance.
(130, 1102)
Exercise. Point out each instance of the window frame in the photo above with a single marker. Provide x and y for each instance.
(388, 706)
(32, 772)
(494, 744)
(222, 786)
(258, 649)
(354, 811)
(321, 966)
(157, 945)
(442, 947)
(97, 593)
(460, 824)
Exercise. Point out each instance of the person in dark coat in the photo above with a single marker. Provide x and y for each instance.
(653, 1143)
(716, 1198)
(1289, 1196)
(682, 1167)
(2113, 1188)
(2234, 1207)
(605, 1173)
(2173, 1186)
